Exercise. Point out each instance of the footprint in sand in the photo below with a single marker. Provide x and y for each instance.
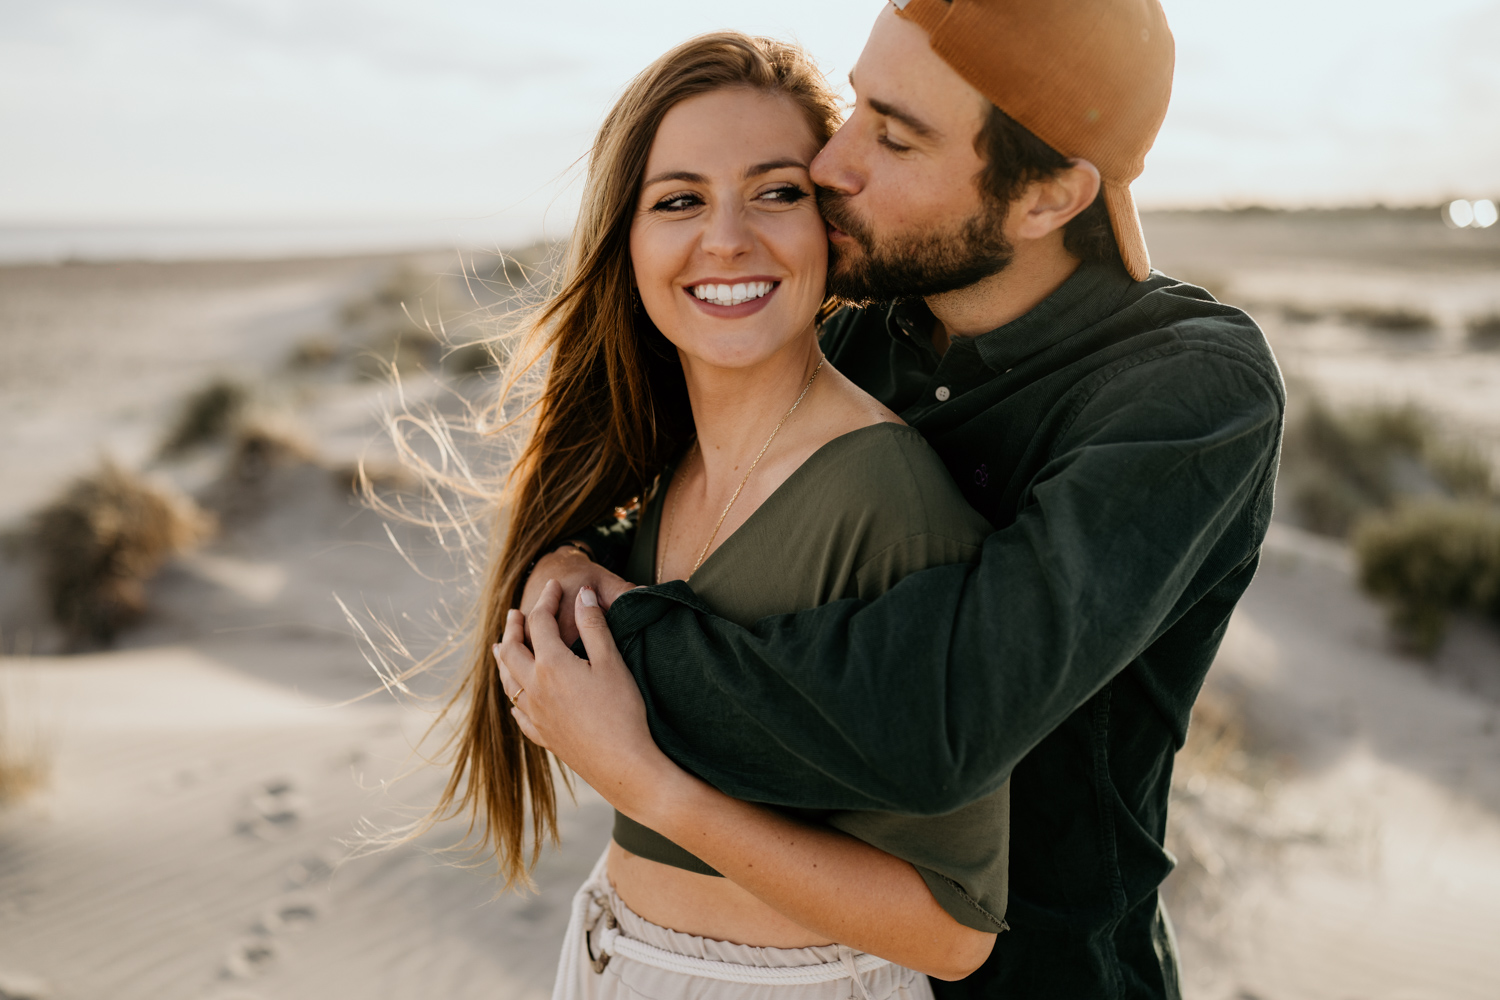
(313, 868)
(250, 957)
(254, 954)
(291, 914)
(275, 809)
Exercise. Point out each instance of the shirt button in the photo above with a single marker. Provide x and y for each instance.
(942, 393)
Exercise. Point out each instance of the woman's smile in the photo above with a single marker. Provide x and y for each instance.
(731, 298)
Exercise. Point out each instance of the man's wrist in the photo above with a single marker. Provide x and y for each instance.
(571, 543)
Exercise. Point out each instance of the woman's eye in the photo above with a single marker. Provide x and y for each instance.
(788, 194)
(677, 203)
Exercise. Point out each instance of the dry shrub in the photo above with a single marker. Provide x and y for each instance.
(1338, 468)
(261, 447)
(1428, 560)
(314, 352)
(1295, 312)
(402, 288)
(1395, 319)
(1216, 735)
(1211, 823)
(362, 478)
(101, 541)
(1484, 331)
(25, 755)
(206, 416)
(391, 321)
(470, 359)
(402, 348)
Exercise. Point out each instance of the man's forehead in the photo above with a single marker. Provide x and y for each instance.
(899, 70)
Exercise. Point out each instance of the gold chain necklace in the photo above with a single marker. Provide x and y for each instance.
(661, 558)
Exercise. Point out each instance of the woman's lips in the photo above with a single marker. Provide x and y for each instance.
(747, 308)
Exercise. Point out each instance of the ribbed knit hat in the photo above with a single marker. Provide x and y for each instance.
(1090, 78)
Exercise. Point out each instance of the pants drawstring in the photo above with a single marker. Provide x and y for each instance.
(846, 956)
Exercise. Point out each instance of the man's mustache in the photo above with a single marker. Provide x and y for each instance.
(838, 213)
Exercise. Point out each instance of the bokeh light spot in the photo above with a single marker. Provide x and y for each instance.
(1458, 214)
(1485, 214)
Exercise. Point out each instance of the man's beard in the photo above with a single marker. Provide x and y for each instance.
(911, 265)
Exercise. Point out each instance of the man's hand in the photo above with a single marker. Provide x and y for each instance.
(573, 570)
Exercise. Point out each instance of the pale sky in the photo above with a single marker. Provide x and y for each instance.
(285, 112)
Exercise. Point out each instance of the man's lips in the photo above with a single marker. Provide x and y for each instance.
(835, 233)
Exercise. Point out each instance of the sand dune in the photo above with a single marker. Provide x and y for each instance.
(190, 847)
(1363, 859)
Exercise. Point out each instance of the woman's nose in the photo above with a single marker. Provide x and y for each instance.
(728, 234)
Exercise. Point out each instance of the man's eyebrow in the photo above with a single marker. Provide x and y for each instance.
(911, 121)
(676, 175)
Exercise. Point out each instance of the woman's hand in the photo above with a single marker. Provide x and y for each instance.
(571, 567)
(589, 713)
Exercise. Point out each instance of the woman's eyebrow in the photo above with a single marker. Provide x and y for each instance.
(767, 167)
(676, 175)
(755, 171)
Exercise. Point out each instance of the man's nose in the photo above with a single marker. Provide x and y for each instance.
(836, 167)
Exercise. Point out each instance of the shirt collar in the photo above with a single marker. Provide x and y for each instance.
(1090, 294)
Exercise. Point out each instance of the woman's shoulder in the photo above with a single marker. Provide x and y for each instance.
(864, 510)
(889, 473)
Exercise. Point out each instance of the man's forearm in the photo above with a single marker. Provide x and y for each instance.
(925, 699)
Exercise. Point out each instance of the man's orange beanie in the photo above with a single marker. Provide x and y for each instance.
(1090, 78)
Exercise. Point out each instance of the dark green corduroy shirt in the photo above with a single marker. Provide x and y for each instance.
(1122, 437)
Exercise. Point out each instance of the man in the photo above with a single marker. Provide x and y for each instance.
(1119, 429)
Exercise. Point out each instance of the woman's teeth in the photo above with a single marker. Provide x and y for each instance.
(733, 295)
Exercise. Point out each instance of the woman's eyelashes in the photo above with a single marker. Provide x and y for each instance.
(677, 203)
(782, 194)
(786, 194)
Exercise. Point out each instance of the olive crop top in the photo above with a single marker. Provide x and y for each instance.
(863, 511)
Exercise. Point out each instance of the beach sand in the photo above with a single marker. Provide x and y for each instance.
(1342, 839)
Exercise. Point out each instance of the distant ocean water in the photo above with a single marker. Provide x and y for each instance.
(41, 244)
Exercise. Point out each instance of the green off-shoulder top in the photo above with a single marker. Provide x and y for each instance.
(862, 512)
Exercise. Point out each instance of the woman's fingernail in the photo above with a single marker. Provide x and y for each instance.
(496, 650)
(588, 597)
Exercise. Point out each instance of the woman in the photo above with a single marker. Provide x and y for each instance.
(683, 345)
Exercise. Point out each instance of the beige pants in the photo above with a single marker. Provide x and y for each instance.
(612, 953)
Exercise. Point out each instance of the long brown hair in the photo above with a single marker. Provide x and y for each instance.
(612, 411)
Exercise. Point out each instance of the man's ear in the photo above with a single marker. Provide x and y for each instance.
(1050, 203)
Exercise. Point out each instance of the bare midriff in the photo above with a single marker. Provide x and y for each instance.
(703, 905)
